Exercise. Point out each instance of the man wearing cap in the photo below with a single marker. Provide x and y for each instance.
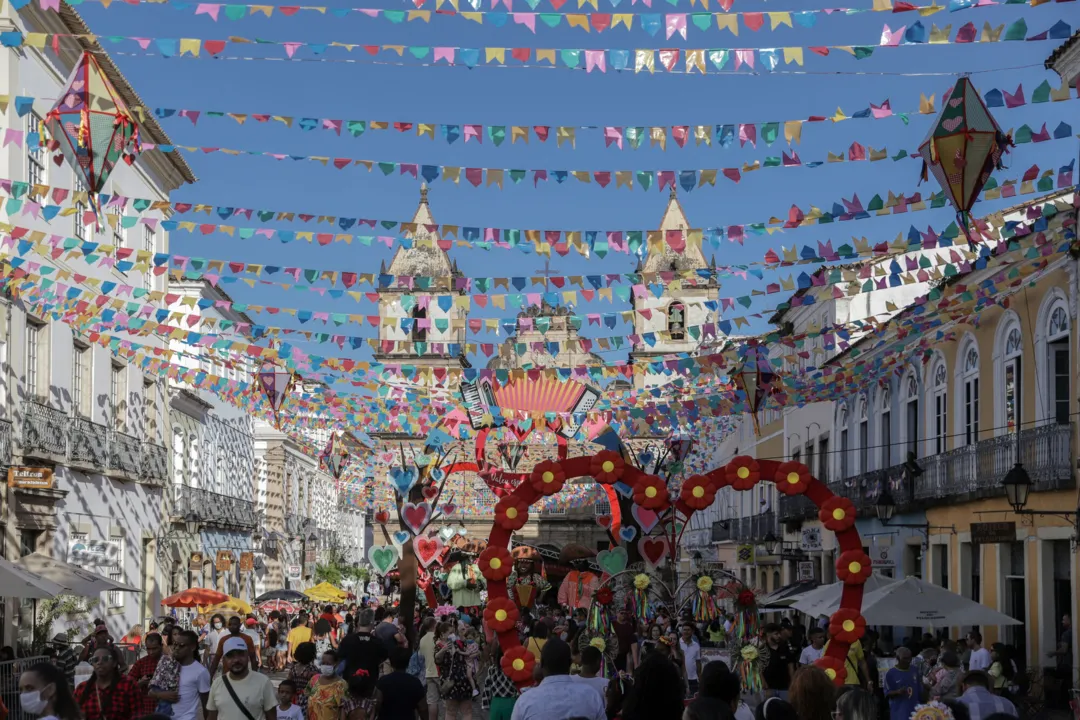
(240, 694)
(66, 659)
(234, 634)
(99, 639)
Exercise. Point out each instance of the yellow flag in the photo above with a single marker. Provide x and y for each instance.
(565, 133)
(926, 105)
(519, 132)
(424, 15)
(577, 20)
(622, 19)
(695, 59)
(940, 36)
(545, 55)
(644, 60)
(190, 46)
(474, 17)
(990, 34)
(658, 136)
(882, 5)
(728, 22)
(495, 54)
(793, 55)
(793, 131)
(776, 19)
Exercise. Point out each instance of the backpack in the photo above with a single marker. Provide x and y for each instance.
(417, 667)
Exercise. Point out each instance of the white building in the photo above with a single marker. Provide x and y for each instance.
(82, 409)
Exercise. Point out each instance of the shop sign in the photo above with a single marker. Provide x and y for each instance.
(309, 556)
(224, 560)
(745, 554)
(990, 533)
(881, 556)
(247, 561)
(94, 554)
(309, 569)
(196, 560)
(806, 571)
(30, 478)
(810, 540)
(294, 572)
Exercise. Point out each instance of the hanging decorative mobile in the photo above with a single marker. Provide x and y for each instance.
(962, 150)
(276, 385)
(92, 127)
(335, 456)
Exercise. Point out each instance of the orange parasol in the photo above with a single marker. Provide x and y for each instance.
(193, 597)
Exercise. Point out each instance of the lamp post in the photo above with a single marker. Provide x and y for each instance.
(1017, 484)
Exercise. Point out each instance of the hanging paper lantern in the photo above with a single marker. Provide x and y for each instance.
(336, 456)
(963, 149)
(92, 126)
(276, 385)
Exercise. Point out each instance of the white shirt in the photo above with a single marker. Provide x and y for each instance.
(600, 683)
(194, 680)
(558, 697)
(295, 712)
(810, 654)
(691, 653)
(744, 712)
(980, 659)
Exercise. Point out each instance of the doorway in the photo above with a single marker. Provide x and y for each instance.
(1015, 599)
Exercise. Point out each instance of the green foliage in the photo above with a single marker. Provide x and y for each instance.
(72, 607)
(330, 573)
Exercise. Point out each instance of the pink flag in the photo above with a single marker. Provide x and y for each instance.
(208, 9)
(444, 53)
(883, 110)
(676, 23)
(748, 134)
(526, 19)
(290, 47)
(1016, 99)
(613, 135)
(595, 59)
(474, 131)
(890, 38)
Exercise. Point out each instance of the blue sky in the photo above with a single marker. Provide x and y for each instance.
(521, 96)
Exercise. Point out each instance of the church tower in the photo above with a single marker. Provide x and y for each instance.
(674, 322)
(421, 322)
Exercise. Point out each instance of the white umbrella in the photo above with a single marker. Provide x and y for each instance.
(915, 603)
(71, 578)
(21, 583)
(825, 600)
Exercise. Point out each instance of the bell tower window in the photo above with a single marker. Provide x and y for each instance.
(676, 313)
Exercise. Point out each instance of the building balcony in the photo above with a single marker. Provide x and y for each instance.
(155, 462)
(214, 509)
(44, 432)
(125, 453)
(6, 439)
(959, 475)
(88, 443)
(752, 529)
(298, 525)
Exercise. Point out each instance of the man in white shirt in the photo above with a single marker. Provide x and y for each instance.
(591, 662)
(691, 651)
(813, 652)
(239, 689)
(980, 656)
(194, 688)
(557, 697)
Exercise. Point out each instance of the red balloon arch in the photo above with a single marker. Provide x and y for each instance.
(853, 566)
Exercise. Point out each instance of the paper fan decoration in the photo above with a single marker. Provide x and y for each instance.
(963, 148)
(91, 125)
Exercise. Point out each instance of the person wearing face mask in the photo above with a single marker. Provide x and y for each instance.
(327, 691)
(110, 694)
(213, 636)
(44, 693)
(233, 634)
(240, 694)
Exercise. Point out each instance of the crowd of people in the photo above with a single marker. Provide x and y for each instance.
(370, 664)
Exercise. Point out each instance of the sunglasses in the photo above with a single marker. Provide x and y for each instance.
(98, 659)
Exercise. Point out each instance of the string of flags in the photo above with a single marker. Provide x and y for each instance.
(642, 60)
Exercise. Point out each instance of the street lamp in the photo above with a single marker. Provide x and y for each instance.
(769, 542)
(191, 522)
(1017, 484)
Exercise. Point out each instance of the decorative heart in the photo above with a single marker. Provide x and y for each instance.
(431, 492)
(612, 561)
(462, 531)
(436, 474)
(603, 520)
(446, 532)
(427, 549)
(401, 537)
(623, 489)
(383, 557)
(653, 551)
(382, 517)
(422, 460)
(955, 102)
(387, 457)
(646, 518)
(952, 123)
(628, 533)
(403, 479)
(449, 508)
(415, 516)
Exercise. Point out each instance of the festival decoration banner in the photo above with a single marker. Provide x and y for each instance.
(642, 60)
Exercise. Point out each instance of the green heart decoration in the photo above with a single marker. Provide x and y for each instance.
(612, 561)
(384, 557)
(446, 533)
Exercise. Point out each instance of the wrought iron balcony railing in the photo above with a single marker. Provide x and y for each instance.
(752, 529)
(6, 438)
(45, 431)
(973, 471)
(214, 508)
(155, 462)
(88, 443)
(296, 525)
(125, 453)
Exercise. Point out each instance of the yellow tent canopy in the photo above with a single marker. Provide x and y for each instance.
(325, 592)
(232, 605)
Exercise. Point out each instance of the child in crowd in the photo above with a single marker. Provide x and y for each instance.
(472, 657)
(286, 710)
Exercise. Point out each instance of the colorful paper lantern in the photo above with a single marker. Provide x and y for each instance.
(276, 385)
(335, 456)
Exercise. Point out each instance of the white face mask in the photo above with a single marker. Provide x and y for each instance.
(217, 626)
(32, 702)
(79, 679)
(326, 669)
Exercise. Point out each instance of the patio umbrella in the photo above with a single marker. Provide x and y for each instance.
(235, 605)
(19, 582)
(325, 591)
(73, 579)
(289, 595)
(280, 605)
(825, 600)
(193, 597)
(913, 602)
(783, 597)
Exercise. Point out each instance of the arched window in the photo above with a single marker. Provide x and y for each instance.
(676, 316)
(885, 437)
(864, 437)
(911, 414)
(939, 394)
(1012, 379)
(969, 379)
(1057, 348)
(842, 423)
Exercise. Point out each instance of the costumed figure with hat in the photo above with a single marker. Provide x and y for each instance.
(578, 586)
(527, 584)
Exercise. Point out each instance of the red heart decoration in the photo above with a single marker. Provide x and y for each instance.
(430, 492)
(427, 549)
(603, 520)
(653, 550)
(449, 508)
(382, 517)
(415, 516)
